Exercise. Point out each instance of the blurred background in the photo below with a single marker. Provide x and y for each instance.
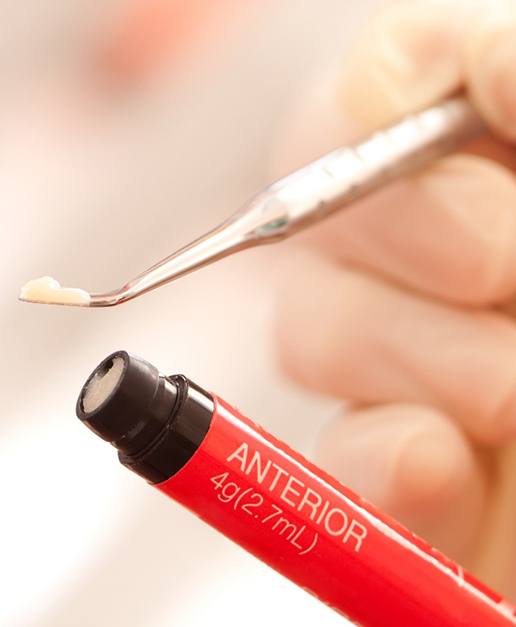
(129, 127)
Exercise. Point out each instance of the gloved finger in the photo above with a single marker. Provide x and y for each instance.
(407, 57)
(449, 232)
(413, 462)
(347, 334)
(489, 53)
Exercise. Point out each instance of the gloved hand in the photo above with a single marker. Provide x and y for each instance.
(396, 304)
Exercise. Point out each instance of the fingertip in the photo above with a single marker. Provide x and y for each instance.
(475, 198)
(439, 486)
(413, 462)
(431, 468)
(408, 458)
(490, 61)
(406, 59)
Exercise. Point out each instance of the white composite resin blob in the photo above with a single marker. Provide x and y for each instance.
(47, 290)
(101, 386)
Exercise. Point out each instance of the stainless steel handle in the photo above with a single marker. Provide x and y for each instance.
(346, 174)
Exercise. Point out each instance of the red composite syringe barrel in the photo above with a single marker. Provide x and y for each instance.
(281, 508)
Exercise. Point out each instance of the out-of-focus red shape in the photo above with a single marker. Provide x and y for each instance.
(156, 30)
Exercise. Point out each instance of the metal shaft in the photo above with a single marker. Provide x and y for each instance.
(344, 175)
(319, 189)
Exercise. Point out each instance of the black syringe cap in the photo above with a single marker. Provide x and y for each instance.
(155, 422)
(135, 406)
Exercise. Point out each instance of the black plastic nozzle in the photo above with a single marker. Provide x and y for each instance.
(156, 422)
